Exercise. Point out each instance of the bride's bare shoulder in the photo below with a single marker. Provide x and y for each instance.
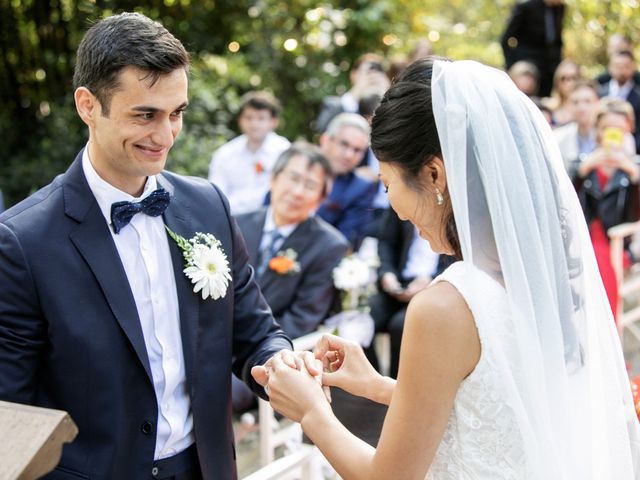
(439, 318)
(443, 302)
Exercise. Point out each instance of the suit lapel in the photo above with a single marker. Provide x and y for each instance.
(253, 237)
(93, 241)
(175, 217)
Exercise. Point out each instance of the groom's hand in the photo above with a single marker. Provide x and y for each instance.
(260, 373)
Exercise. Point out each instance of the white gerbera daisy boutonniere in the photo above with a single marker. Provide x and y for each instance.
(206, 264)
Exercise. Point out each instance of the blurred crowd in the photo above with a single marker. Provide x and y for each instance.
(303, 207)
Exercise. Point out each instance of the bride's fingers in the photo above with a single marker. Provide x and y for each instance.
(311, 363)
(327, 392)
(328, 343)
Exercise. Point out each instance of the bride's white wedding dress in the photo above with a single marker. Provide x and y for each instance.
(482, 439)
(549, 397)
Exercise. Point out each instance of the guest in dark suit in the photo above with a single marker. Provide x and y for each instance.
(534, 33)
(622, 67)
(293, 252)
(97, 316)
(349, 206)
(617, 43)
(407, 265)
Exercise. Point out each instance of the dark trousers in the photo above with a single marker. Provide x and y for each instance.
(183, 466)
(388, 316)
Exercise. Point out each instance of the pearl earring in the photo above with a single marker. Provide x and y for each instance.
(439, 197)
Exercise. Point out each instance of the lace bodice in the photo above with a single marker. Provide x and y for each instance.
(482, 439)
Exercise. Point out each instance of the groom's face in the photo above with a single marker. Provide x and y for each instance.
(132, 141)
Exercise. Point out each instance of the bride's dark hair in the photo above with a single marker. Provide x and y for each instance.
(403, 132)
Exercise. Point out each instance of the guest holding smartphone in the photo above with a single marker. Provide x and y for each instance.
(607, 184)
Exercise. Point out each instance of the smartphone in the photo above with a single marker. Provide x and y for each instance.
(612, 137)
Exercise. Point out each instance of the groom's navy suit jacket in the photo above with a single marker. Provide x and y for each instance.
(70, 336)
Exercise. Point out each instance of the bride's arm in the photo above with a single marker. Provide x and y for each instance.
(440, 348)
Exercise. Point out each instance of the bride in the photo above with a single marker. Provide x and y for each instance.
(510, 367)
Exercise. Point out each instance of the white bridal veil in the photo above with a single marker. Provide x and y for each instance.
(518, 219)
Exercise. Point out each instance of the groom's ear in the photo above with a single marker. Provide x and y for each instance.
(86, 105)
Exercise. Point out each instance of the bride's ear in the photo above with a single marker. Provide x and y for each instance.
(433, 174)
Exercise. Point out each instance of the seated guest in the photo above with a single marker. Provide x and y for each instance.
(349, 206)
(617, 43)
(578, 138)
(407, 265)
(526, 77)
(564, 80)
(607, 185)
(242, 166)
(293, 252)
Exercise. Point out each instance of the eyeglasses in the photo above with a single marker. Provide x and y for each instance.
(568, 78)
(296, 179)
(345, 145)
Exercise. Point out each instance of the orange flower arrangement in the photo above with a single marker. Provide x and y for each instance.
(635, 389)
(285, 262)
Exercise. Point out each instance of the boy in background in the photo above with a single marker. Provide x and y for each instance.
(241, 168)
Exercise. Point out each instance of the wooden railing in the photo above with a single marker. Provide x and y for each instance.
(32, 440)
(629, 285)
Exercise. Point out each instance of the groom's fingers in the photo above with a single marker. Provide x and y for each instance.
(311, 363)
(260, 375)
(289, 358)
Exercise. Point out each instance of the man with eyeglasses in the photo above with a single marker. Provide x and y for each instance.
(349, 207)
(292, 251)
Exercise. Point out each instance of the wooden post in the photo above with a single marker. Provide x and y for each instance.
(31, 440)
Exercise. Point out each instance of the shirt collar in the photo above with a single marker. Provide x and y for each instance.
(616, 90)
(270, 225)
(349, 103)
(264, 146)
(105, 193)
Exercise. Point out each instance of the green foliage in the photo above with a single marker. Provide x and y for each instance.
(300, 50)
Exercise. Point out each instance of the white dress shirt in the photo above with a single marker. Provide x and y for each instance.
(244, 176)
(144, 251)
(270, 227)
(421, 260)
(620, 91)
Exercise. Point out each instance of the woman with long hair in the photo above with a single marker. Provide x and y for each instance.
(510, 365)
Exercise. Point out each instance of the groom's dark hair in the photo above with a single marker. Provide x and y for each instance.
(119, 41)
(404, 132)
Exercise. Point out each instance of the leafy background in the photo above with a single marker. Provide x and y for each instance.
(299, 49)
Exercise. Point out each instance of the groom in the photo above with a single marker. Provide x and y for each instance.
(96, 314)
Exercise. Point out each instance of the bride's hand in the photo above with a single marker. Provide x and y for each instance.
(346, 366)
(294, 392)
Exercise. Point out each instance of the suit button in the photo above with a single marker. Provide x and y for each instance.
(147, 427)
(155, 471)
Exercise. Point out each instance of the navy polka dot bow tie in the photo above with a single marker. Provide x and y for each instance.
(154, 205)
